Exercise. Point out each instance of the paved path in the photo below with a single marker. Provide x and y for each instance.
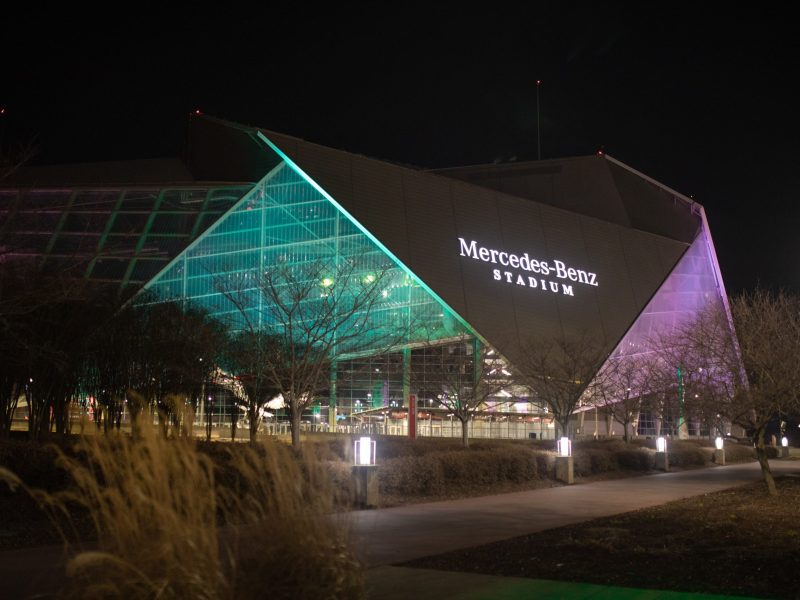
(399, 534)
(393, 535)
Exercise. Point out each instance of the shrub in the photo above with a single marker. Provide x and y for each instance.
(739, 453)
(286, 540)
(686, 454)
(635, 459)
(411, 476)
(604, 461)
(437, 472)
(582, 463)
(33, 463)
(517, 466)
(156, 507)
(545, 463)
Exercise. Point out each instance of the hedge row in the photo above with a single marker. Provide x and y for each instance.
(436, 473)
(429, 467)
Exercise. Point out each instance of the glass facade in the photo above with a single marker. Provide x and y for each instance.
(284, 231)
(690, 288)
(218, 245)
(282, 234)
(119, 235)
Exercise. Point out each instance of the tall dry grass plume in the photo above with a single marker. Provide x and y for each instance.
(171, 524)
(294, 545)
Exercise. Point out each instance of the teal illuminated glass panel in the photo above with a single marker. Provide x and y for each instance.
(287, 222)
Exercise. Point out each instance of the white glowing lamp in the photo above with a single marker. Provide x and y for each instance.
(718, 443)
(785, 442)
(661, 444)
(364, 451)
(564, 447)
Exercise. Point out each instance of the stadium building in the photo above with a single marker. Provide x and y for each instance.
(495, 255)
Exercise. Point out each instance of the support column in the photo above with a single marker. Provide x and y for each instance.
(683, 426)
(332, 399)
(408, 397)
(477, 373)
(365, 486)
(565, 470)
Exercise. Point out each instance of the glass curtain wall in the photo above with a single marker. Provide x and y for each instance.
(279, 234)
(119, 235)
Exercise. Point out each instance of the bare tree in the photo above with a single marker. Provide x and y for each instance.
(560, 371)
(624, 385)
(753, 376)
(157, 356)
(305, 316)
(247, 357)
(464, 377)
(44, 325)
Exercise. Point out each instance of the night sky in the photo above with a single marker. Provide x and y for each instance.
(698, 99)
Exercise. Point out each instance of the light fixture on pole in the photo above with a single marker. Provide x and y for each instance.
(564, 447)
(364, 451)
(365, 473)
(784, 451)
(719, 452)
(564, 462)
(662, 458)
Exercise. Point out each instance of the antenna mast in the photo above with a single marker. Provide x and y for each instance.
(538, 130)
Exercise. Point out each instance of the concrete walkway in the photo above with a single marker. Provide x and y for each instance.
(389, 536)
(394, 535)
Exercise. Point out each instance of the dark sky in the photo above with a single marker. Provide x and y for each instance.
(699, 99)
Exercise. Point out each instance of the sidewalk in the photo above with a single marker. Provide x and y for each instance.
(393, 535)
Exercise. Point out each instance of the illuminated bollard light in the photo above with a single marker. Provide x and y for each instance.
(365, 473)
(662, 458)
(719, 452)
(564, 447)
(784, 450)
(565, 470)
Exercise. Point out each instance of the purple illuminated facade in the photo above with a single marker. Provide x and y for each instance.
(693, 285)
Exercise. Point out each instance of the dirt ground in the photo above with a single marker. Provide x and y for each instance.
(739, 541)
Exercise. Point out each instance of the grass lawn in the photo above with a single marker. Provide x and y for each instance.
(739, 541)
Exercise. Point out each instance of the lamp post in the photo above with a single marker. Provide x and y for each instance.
(662, 458)
(719, 451)
(365, 473)
(565, 470)
(784, 451)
